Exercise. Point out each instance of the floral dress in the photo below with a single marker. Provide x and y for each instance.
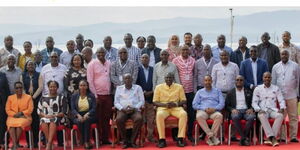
(72, 79)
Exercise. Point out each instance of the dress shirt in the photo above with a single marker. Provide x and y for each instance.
(98, 76)
(66, 56)
(186, 72)
(4, 53)
(196, 51)
(53, 73)
(286, 77)
(117, 71)
(208, 99)
(224, 76)
(202, 68)
(264, 98)
(152, 59)
(240, 99)
(165, 94)
(38, 67)
(111, 54)
(293, 50)
(160, 71)
(216, 51)
(254, 71)
(12, 77)
(146, 72)
(134, 54)
(133, 97)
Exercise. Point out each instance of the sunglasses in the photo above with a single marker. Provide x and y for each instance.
(18, 87)
(239, 80)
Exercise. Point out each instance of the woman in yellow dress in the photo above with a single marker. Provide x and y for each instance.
(18, 108)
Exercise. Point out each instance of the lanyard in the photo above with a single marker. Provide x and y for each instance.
(207, 65)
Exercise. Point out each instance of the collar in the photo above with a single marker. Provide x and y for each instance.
(168, 85)
(132, 87)
(166, 64)
(267, 87)
(145, 68)
(7, 68)
(253, 61)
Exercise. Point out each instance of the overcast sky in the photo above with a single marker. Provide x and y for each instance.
(77, 16)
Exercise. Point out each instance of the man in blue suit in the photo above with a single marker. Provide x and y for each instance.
(144, 79)
(252, 69)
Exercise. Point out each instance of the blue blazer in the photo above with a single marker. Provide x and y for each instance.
(141, 81)
(92, 104)
(247, 73)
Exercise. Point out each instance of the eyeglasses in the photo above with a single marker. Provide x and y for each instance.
(239, 80)
(18, 88)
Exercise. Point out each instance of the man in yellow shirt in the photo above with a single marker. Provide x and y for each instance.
(169, 97)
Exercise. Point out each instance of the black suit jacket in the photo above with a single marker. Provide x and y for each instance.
(230, 100)
(156, 53)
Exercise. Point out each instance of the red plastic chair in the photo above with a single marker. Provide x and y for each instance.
(243, 122)
(209, 122)
(27, 129)
(271, 121)
(93, 127)
(58, 128)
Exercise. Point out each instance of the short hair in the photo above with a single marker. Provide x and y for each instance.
(208, 75)
(101, 48)
(87, 49)
(127, 74)
(207, 46)
(253, 47)
(188, 33)
(82, 60)
(266, 34)
(25, 66)
(49, 38)
(223, 51)
(164, 51)
(79, 35)
(151, 36)
(12, 55)
(18, 82)
(141, 37)
(221, 36)
(170, 74)
(27, 42)
(8, 37)
(243, 37)
(198, 35)
(52, 81)
(128, 34)
(287, 32)
(88, 40)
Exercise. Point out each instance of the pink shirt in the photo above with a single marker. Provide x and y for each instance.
(185, 69)
(98, 77)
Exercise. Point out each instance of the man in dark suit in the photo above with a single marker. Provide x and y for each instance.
(241, 53)
(144, 79)
(252, 69)
(152, 51)
(238, 103)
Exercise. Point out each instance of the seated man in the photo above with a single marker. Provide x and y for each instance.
(238, 103)
(169, 97)
(264, 102)
(129, 98)
(208, 102)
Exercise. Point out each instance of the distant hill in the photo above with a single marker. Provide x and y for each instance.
(251, 26)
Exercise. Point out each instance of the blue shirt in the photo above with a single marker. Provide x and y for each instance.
(208, 99)
(46, 54)
(216, 51)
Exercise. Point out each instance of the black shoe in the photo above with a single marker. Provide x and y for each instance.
(202, 136)
(175, 138)
(133, 145)
(246, 142)
(125, 145)
(294, 140)
(190, 138)
(180, 142)
(60, 145)
(162, 143)
(106, 142)
(234, 139)
(282, 140)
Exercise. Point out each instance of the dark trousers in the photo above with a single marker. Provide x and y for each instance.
(191, 113)
(104, 112)
(121, 119)
(34, 125)
(249, 122)
(84, 127)
(3, 127)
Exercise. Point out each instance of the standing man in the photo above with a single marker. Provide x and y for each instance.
(79, 42)
(241, 53)
(162, 68)
(133, 52)
(169, 98)
(188, 37)
(38, 61)
(286, 76)
(152, 51)
(4, 93)
(185, 65)
(144, 79)
(8, 49)
(196, 51)
(66, 56)
(224, 73)
(209, 102)
(268, 51)
(129, 99)
(265, 98)
(252, 69)
(203, 67)
(216, 50)
(111, 52)
(238, 104)
(49, 49)
(12, 72)
(121, 67)
(98, 76)
(87, 53)
(294, 51)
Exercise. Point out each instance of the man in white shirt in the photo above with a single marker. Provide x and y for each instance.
(66, 56)
(286, 74)
(264, 102)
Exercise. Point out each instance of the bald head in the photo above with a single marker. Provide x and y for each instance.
(8, 42)
(87, 53)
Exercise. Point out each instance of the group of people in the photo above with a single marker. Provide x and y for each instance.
(51, 87)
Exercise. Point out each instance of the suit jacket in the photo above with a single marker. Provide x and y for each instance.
(146, 85)
(156, 53)
(230, 101)
(247, 73)
(237, 56)
(92, 104)
(272, 52)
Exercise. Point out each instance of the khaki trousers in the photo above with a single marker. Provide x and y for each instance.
(202, 116)
(292, 112)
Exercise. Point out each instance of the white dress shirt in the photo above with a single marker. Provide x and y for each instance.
(224, 76)
(240, 99)
(254, 71)
(133, 97)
